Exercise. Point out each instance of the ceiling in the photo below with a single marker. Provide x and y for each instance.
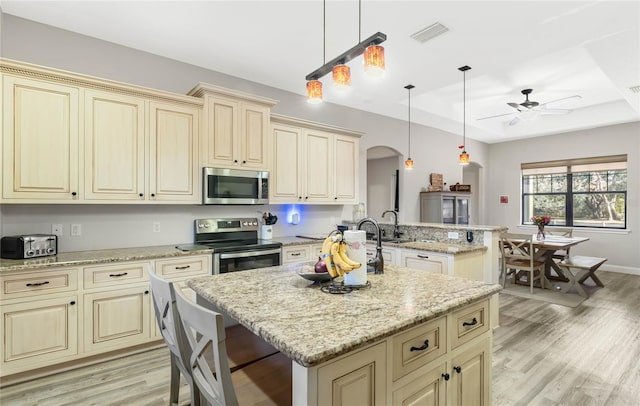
(557, 48)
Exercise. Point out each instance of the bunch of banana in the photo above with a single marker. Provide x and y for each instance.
(334, 255)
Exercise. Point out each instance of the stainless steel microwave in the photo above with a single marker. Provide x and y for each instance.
(234, 186)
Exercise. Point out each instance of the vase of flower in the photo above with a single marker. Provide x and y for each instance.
(540, 221)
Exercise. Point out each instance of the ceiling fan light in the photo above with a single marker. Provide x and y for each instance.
(464, 158)
(314, 92)
(341, 77)
(374, 60)
(408, 164)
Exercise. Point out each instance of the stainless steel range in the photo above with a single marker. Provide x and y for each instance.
(235, 243)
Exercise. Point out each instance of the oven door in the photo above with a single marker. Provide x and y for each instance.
(224, 262)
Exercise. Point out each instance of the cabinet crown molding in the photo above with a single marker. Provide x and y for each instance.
(287, 120)
(202, 89)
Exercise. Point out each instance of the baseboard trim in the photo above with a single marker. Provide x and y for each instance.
(620, 269)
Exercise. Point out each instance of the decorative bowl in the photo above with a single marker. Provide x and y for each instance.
(315, 277)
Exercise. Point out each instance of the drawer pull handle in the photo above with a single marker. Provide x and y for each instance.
(296, 254)
(115, 275)
(38, 283)
(446, 377)
(183, 267)
(424, 347)
(423, 256)
(72, 302)
(473, 322)
(457, 369)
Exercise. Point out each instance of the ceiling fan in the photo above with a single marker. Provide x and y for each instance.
(529, 109)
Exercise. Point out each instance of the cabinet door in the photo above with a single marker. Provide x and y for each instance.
(388, 254)
(116, 319)
(286, 168)
(173, 138)
(346, 169)
(114, 147)
(220, 140)
(318, 166)
(426, 390)
(472, 385)
(358, 379)
(38, 333)
(427, 261)
(40, 140)
(254, 129)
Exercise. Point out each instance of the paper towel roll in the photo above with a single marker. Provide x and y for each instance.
(357, 251)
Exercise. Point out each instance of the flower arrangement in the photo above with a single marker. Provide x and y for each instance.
(541, 220)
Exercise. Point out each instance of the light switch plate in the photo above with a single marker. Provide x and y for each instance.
(76, 230)
(453, 235)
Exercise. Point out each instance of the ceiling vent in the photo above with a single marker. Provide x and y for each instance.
(635, 89)
(429, 33)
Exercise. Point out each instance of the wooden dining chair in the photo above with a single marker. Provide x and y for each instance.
(518, 257)
(264, 382)
(164, 298)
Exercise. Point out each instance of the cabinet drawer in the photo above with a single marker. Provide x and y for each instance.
(175, 268)
(296, 253)
(469, 322)
(424, 260)
(39, 283)
(116, 274)
(418, 346)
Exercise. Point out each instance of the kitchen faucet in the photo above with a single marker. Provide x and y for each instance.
(396, 231)
(376, 262)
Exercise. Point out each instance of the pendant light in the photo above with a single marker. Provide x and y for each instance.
(341, 77)
(408, 164)
(374, 60)
(464, 156)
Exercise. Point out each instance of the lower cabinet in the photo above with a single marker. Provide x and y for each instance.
(427, 261)
(38, 333)
(388, 254)
(427, 389)
(51, 316)
(117, 318)
(471, 376)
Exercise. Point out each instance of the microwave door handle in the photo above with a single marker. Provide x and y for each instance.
(246, 254)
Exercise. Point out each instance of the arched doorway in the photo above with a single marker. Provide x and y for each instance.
(383, 181)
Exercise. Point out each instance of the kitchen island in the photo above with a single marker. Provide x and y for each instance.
(410, 334)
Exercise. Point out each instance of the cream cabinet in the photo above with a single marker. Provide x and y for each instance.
(236, 128)
(40, 142)
(56, 315)
(313, 163)
(40, 318)
(427, 261)
(443, 361)
(389, 254)
(296, 253)
(69, 138)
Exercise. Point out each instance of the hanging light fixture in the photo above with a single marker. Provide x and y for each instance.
(314, 86)
(464, 156)
(408, 164)
(374, 63)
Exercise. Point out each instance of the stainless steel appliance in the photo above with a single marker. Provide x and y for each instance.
(28, 246)
(234, 186)
(235, 243)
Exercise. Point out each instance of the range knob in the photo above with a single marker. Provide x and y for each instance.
(207, 225)
(50, 250)
(30, 253)
(255, 223)
(244, 223)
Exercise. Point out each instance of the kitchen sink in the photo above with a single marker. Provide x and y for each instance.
(395, 240)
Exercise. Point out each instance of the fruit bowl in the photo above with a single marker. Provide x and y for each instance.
(308, 273)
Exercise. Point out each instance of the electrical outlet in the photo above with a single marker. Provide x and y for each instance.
(453, 235)
(56, 229)
(76, 230)
(156, 226)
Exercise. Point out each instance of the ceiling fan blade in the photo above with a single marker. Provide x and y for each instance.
(499, 115)
(515, 121)
(554, 111)
(515, 106)
(564, 99)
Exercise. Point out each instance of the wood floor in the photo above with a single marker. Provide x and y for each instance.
(544, 354)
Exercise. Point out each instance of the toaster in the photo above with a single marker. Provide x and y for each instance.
(28, 246)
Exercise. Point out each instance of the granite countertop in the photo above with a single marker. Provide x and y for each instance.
(312, 327)
(80, 258)
(433, 246)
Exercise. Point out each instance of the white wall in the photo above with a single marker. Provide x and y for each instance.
(620, 247)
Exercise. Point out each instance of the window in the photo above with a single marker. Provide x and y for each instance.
(587, 192)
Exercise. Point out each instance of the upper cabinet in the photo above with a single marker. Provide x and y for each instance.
(313, 163)
(40, 140)
(235, 129)
(70, 138)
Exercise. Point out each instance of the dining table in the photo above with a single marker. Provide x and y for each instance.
(547, 246)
